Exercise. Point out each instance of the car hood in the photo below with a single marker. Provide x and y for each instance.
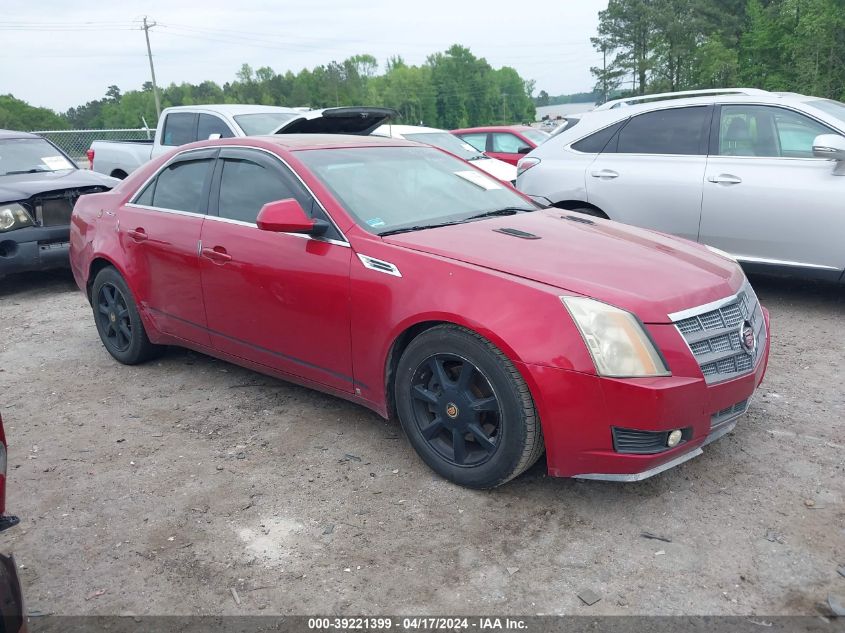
(647, 273)
(24, 186)
(347, 120)
(496, 168)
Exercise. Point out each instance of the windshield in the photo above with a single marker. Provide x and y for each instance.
(263, 123)
(30, 155)
(447, 141)
(536, 136)
(829, 106)
(390, 188)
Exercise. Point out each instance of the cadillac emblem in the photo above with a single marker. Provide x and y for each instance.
(452, 410)
(747, 338)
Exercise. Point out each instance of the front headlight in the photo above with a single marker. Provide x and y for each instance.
(721, 253)
(617, 341)
(13, 216)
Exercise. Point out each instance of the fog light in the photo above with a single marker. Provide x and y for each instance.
(674, 438)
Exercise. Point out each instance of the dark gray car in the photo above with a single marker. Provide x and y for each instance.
(39, 184)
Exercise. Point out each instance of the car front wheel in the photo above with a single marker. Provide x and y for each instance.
(466, 409)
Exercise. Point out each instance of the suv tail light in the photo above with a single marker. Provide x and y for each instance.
(90, 155)
(525, 164)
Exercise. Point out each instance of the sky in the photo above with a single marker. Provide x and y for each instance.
(60, 54)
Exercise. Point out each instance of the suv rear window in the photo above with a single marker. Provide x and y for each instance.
(595, 143)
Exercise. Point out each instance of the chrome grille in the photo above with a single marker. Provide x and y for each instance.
(713, 334)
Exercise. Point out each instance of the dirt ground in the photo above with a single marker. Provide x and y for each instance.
(157, 489)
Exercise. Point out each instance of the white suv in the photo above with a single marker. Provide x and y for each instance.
(759, 175)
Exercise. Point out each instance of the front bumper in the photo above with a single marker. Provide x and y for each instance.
(578, 412)
(34, 248)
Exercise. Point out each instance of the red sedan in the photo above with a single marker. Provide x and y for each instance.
(404, 279)
(509, 143)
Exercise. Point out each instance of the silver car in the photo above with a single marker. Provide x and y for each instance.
(759, 175)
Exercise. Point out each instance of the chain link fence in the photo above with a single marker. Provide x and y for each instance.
(76, 142)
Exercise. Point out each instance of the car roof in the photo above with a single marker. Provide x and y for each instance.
(392, 130)
(15, 134)
(493, 128)
(296, 142)
(234, 109)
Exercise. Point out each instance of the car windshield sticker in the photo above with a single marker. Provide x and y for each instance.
(479, 179)
(56, 162)
(469, 148)
(375, 222)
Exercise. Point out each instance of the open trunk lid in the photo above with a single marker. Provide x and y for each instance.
(346, 120)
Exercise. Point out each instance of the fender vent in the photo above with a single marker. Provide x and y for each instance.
(575, 218)
(379, 265)
(517, 233)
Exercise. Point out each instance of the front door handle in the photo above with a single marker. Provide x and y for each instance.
(725, 179)
(139, 234)
(217, 254)
(605, 174)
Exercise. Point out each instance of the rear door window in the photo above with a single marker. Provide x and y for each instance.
(508, 143)
(678, 131)
(179, 128)
(180, 186)
(478, 141)
(210, 124)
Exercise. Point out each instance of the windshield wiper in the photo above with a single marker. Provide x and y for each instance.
(479, 157)
(418, 227)
(486, 214)
(497, 212)
(25, 171)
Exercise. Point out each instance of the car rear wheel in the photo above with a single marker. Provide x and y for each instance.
(466, 409)
(118, 321)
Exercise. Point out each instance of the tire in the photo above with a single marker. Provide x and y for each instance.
(478, 429)
(118, 321)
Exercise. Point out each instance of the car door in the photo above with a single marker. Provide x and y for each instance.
(159, 232)
(277, 299)
(507, 147)
(650, 174)
(767, 200)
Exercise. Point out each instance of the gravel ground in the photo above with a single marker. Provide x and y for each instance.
(157, 489)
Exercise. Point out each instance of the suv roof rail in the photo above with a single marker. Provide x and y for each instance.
(626, 101)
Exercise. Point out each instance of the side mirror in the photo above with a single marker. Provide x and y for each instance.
(287, 216)
(831, 146)
(524, 150)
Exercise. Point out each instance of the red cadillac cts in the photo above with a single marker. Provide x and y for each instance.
(402, 278)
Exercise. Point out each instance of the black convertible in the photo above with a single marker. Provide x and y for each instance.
(39, 184)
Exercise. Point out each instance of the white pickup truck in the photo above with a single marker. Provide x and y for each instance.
(186, 124)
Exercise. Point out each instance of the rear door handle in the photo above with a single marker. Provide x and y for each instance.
(605, 174)
(139, 234)
(217, 254)
(725, 179)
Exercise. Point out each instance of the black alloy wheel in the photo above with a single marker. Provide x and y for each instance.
(118, 321)
(456, 410)
(465, 408)
(113, 318)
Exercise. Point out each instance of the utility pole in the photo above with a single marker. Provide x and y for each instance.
(504, 118)
(604, 72)
(147, 28)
